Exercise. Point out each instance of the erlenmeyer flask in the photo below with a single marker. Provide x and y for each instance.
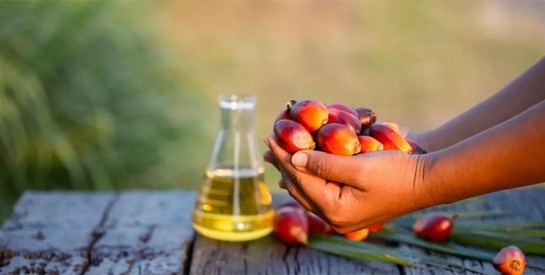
(234, 203)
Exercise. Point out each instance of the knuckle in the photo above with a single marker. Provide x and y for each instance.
(292, 190)
(322, 167)
(282, 183)
(338, 219)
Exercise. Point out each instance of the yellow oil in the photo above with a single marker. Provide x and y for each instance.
(233, 205)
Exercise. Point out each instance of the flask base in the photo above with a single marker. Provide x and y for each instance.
(232, 236)
(233, 228)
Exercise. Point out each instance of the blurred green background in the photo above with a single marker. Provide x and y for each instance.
(101, 95)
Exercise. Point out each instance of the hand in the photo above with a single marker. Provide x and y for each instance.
(375, 187)
(421, 138)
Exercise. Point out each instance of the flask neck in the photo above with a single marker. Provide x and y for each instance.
(237, 119)
(236, 146)
(237, 112)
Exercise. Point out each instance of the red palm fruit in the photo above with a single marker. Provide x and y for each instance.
(510, 260)
(376, 227)
(367, 116)
(357, 235)
(344, 118)
(390, 138)
(291, 226)
(417, 149)
(394, 126)
(342, 107)
(292, 136)
(369, 144)
(310, 113)
(317, 225)
(293, 204)
(338, 139)
(285, 112)
(434, 226)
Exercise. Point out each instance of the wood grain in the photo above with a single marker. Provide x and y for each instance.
(149, 232)
(132, 232)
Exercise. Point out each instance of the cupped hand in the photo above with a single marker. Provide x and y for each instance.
(353, 192)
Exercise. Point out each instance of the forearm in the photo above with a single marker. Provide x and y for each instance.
(519, 95)
(509, 155)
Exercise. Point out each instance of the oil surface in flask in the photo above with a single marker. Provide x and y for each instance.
(233, 205)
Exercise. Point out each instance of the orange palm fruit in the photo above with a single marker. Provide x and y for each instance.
(285, 112)
(417, 149)
(390, 138)
(342, 107)
(292, 136)
(369, 144)
(435, 226)
(337, 139)
(357, 235)
(376, 227)
(510, 260)
(394, 126)
(312, 114)
(349, 120)
(291, 226)
(317, 225)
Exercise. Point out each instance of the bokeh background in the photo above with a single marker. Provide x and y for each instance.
(102, 95)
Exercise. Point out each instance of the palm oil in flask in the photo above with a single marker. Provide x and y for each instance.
(234, 203)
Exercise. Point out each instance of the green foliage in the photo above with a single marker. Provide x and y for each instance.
(90, 100)
(473, 237)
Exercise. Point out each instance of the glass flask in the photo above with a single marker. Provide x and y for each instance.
(234, 203)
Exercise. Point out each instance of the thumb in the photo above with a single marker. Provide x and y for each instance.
(328, 166)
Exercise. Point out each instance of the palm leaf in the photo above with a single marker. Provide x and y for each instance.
(339, 245)
(498, 240)
(367, 251)
(404, 236)
(466, 216)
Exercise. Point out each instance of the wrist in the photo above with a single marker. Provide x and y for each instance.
(443, 178)
(429, 140)
(431, 183)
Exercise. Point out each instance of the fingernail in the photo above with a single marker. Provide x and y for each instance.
(267, 142)
(299, 159)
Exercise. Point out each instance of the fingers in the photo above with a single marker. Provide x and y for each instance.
(345, 169)
(281, 160)
(269, 157)
(307, 189)
(299, 196)
(278, 156)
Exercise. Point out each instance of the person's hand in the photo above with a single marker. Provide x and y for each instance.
(421, 138)
(374, 187)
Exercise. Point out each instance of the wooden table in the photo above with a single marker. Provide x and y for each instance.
(149, 232)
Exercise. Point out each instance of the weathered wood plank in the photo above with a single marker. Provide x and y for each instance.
(269, 256)
(50, 232)
(137, 232)
(149, 232)
(145, 232)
